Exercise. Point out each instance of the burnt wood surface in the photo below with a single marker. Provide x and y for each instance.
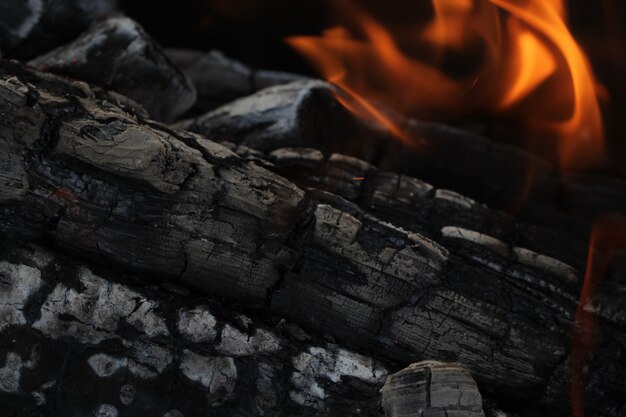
(308, 114)
(300, 113)
(117, 54)
(29, 28)
(83, 341)
(219, 79)
(94, 179)
(432, 389)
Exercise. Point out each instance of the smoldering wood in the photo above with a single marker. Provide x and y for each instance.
(219, 79)
(301, 113)
(119, 55)
(92, 180)
(30, 28)
(414, 204)
(447, 157)
(525, 184)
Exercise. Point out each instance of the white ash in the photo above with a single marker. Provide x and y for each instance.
(197, 325)
(237, 343)
(330, 364)
(106, 365)
(17, 284)
(217, 374)
(11, 372)
(97, 309)
(149, 354)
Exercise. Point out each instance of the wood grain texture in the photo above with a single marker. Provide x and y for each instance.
(99, 182)
(432, 389)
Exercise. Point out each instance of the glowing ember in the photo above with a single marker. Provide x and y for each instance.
(608, 236)
(531, 70)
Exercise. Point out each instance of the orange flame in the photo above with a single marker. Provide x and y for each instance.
(531, 69)
(608, 236)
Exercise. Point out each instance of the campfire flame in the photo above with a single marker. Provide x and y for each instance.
(608, 236)
(531, 71)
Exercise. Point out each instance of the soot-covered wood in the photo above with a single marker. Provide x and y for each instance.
(29, 28)
(80, 341)
(432, 389)
(308, 114)
(119, 55)
(91, 179)
(219, 79)
(300, 113)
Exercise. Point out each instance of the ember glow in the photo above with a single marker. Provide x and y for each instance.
(531, 71)
(608, 237)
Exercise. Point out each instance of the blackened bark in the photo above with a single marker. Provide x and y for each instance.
(93, 180)
(301, 113)
(81, 341)
(432, 389)
(219, 79)
(117, 54)
(29, 28)
(309, 114)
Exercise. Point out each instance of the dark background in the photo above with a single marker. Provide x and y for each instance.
(253, 31)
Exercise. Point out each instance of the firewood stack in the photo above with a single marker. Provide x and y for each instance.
(182, 235)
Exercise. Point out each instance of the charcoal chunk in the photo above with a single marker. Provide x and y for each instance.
(118, 54)
(31, 27)
(432, 389)
(299, 114)
(219, 79)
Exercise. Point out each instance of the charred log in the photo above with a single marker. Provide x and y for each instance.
(82, 341)
(29, 28)
(446, 157)
(219, 79)
(119, 55)
(301, 113)
(432, 389)
(93, 180)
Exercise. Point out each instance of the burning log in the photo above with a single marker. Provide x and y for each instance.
(29, 28)
(447, 157)
(92, 180)
(119, 55)
(413, 204)
(219, 79)
(301, 113)
(525, 185)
